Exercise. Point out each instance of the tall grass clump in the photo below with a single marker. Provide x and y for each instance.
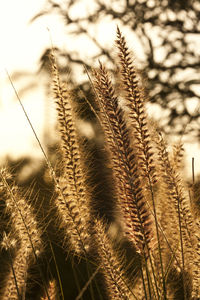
(150, 249)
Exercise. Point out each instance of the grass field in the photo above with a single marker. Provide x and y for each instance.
(66, 246)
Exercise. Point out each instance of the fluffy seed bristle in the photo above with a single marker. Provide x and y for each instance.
(73, 200)
(136, 216)
(28, 233)
(111, 266)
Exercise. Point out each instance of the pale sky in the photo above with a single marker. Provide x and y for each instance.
(22, 44)
(17, 39)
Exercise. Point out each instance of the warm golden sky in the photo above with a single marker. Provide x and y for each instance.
(22, 44)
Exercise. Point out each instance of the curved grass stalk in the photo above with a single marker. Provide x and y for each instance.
(140, 129)
(26, 229)
(123, 158)
(50, 167)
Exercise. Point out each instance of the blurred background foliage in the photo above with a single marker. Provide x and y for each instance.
(167, 50)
